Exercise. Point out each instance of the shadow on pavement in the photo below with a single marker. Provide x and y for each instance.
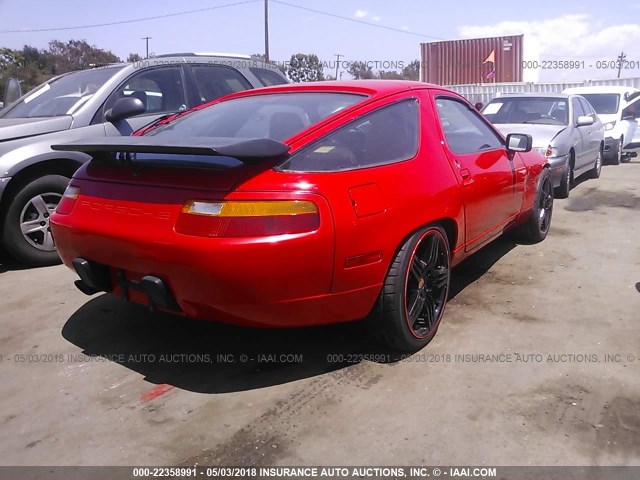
(474, 267)
(209, 357)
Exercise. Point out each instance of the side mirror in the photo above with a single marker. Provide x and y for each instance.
(12, 91)
(125, 108)
(584, 120)
(519, 142)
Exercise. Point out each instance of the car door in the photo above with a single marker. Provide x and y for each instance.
(491, 179)
(631, 115)
(594, 135)
(581, 137)
(161, 89)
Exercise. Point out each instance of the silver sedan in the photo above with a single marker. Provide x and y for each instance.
(565, 129)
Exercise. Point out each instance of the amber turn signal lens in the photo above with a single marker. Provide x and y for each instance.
(247, 218)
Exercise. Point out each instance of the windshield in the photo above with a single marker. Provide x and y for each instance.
(537, 110)
(62, 96)
(275, 116)
(603, 103)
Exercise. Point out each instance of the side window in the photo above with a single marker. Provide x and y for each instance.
(213, 81)
(160, 89)
(577, 110)
(587, 108)
(387, 135)
(268, 77)
(632, 110)
(464, 130)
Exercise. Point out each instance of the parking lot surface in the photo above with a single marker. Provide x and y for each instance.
(536, 362)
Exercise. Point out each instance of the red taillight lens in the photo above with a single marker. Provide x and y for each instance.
(247, 218)
(68, 200)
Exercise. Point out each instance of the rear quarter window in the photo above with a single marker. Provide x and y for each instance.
(268, 77)
(387, 135)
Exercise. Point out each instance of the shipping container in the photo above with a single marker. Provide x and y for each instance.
(476, 60)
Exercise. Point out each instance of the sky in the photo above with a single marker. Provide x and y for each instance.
(553, 30)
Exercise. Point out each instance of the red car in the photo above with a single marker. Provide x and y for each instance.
(302, 205)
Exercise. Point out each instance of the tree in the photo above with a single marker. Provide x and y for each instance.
(262, 57)
(412, 71)
(133, 57)
(390, 75)
(360, 70)
(32, 66)
(77, 55)
(305, 68)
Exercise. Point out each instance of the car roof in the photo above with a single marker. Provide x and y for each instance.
(365, 87)
(177, 58)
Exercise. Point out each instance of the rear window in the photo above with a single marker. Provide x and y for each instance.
(276, 116)
(538, 110)
(603, 103)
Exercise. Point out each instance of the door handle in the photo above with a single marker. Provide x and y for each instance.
(467, 179)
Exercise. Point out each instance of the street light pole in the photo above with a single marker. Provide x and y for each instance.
(266, 30)
(338, 55)
(146, 39)
(620, 63)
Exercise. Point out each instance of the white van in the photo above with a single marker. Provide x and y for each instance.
(619, 110)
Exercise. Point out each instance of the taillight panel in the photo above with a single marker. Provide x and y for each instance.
(247, 218)
(68, 200)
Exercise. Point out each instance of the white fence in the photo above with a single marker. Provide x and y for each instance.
(483, 92)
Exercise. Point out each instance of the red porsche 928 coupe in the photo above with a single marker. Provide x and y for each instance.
(302, 205)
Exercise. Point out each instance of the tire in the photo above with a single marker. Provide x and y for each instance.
(418, 280)
(539, 222)
(616, 155)
(567, 181)
(34, 203)
(597, 166)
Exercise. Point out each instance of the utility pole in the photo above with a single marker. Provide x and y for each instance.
(338, 55)
(146, 39)
(620, 62)
(266, 31)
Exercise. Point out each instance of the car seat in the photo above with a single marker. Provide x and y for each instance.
(284, 124)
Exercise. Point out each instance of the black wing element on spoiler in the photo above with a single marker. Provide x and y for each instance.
(241, 148)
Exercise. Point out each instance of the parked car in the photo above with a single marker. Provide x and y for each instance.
(618, 108)
(302, 205)
(565, 129)
(107, 101)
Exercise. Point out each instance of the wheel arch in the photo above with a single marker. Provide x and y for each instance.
(56, 166)
(572, 157)
(448, 224)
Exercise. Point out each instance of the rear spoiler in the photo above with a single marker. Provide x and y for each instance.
(241, 149)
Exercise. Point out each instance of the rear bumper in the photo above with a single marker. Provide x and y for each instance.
(281, 281)
(96, 278)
